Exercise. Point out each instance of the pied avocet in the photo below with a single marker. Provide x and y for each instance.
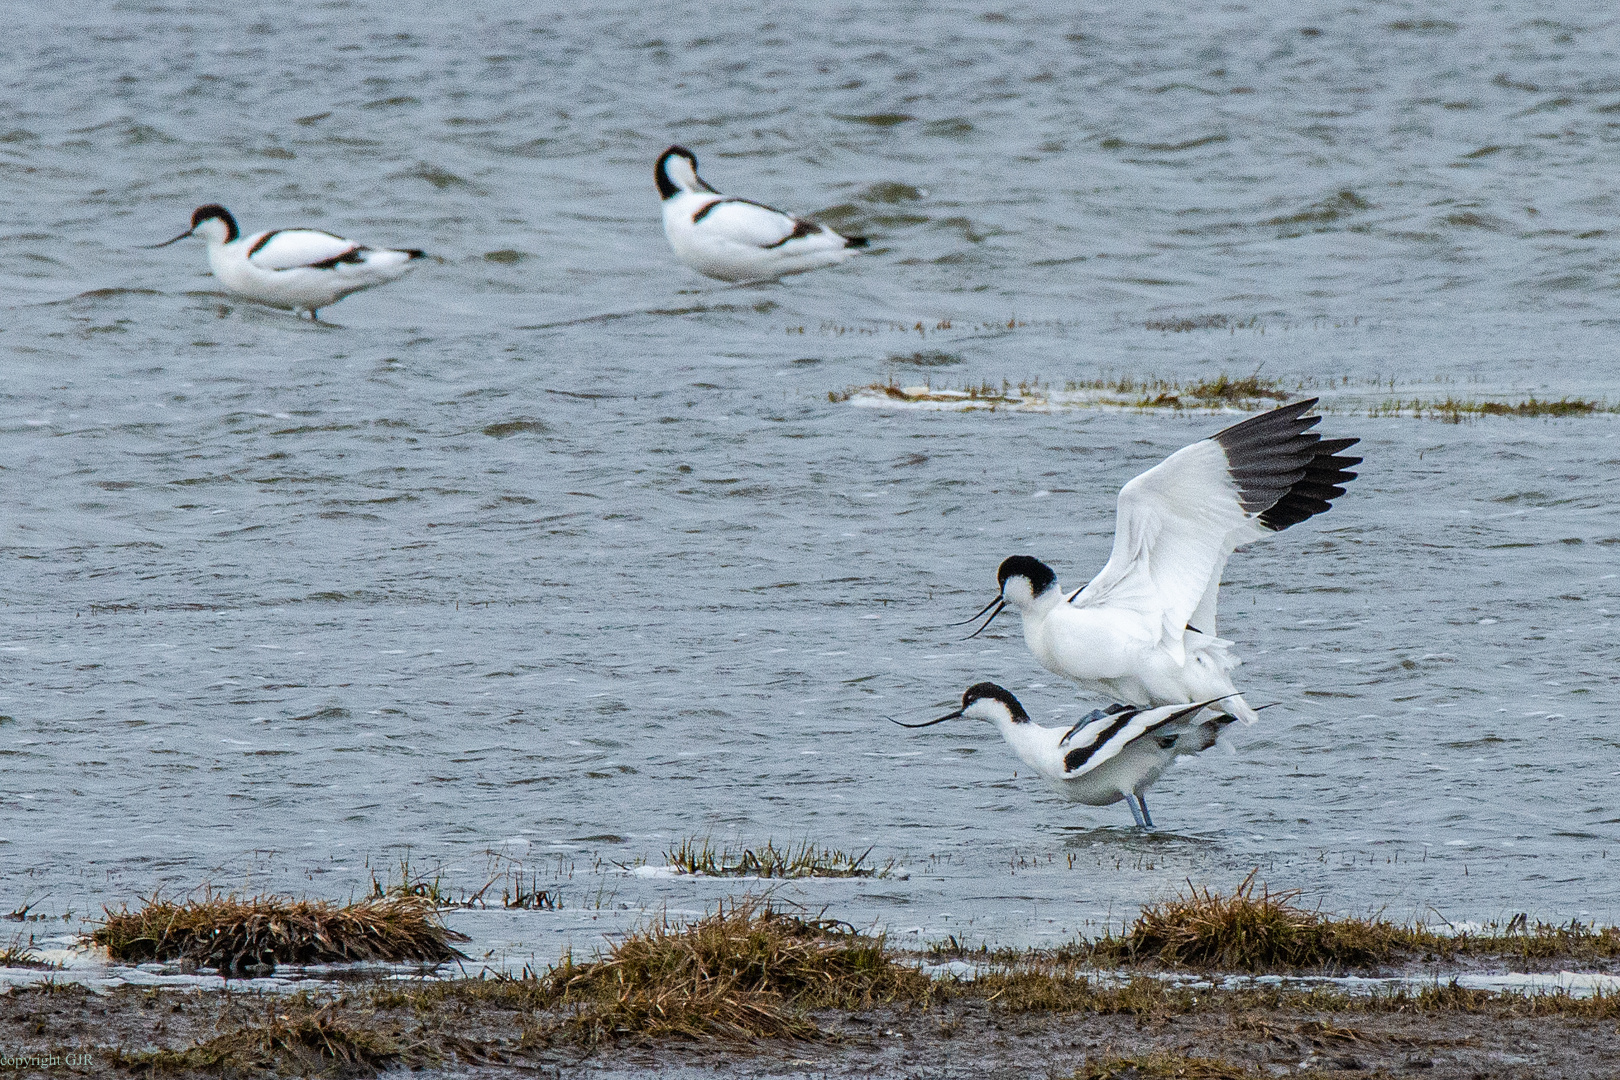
(302, 269)
(1111, 754)
(736, 239)
(1143, 630)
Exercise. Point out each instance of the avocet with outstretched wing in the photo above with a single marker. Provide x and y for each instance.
(1143, 630)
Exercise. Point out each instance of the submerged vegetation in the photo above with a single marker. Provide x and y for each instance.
(236, 934)
(768, 861)
(1220, 393)
(1457, 411)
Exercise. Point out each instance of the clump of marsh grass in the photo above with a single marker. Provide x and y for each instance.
(747, 971)
(16, 954)
(1252, 930)
(312, 1044)
(769, 861)
(413, 886)
(235, 933)
(1222, 390)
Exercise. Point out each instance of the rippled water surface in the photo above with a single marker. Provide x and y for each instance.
(557, 550)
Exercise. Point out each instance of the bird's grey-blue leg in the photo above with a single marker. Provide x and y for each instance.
(1146, 817)
(1135, 813)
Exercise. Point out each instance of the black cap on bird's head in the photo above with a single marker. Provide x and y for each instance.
(1037, 573)
(676, 172)
(1017, 568)
(976, 693)
(211, 212)
(214, 210)
(980, 691)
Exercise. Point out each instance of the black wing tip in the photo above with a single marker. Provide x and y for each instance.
(1286, 473)
(414, 253)
(856, 241)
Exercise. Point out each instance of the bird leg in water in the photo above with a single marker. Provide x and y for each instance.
(1135, 813)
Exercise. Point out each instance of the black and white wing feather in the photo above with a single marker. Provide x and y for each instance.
(753, 224)
(1103, 740)
(291, 249)
(1179, 521)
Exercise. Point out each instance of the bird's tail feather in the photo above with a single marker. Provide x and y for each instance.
(1239, 708)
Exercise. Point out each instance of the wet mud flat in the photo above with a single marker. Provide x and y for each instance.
(1212, 985)
(377, 1030)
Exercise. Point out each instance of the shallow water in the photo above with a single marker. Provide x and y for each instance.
(558, 551)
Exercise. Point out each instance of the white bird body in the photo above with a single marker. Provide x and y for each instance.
(1106, 757)
(302, 269)
(738, 239)
(1123, 656)
(1144, 629)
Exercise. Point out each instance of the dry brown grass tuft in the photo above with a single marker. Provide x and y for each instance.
(313, 1044)
(1249, 932)
(746, 971)
(233, 934)
(1451, 997)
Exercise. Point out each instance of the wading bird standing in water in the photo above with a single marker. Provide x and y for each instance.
(1109, 755)
(738, 239)
(302, 269)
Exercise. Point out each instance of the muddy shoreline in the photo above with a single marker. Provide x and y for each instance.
(471, 1029)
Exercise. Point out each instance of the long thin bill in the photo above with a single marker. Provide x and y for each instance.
(975, 616)
(1000, 603)
(927, 723)
(166, 243)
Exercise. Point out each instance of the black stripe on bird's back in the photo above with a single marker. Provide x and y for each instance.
(353, 255)
(800, 229)
(258, 245)
(1077, 757)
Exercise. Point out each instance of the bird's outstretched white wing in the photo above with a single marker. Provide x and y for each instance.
(1180, 521)
(288, 249)
(750, 223)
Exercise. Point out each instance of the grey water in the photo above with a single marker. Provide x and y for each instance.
(554, 554)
